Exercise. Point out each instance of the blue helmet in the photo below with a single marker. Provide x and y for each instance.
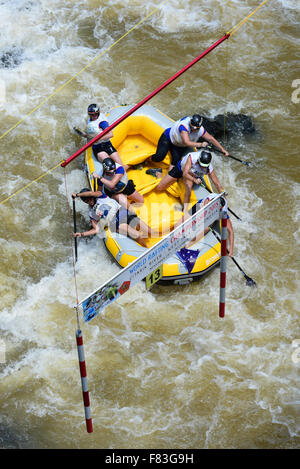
(93, 109)
(108, 164)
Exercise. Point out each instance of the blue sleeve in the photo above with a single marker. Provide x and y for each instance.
(182, 128)
(103, 125)
(167, 133)
(120, 170)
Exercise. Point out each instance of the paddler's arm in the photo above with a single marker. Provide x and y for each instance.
(107, 136)
(189, 143)
(188, 175)
(102, 126)
(215, 142)
(216, 181)
(231, 237)
(91, 232)
(80, 132)
(110, 183)
(87, 194)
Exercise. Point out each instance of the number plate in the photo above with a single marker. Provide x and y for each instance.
(152, 278)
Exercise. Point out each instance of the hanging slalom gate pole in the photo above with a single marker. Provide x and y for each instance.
(84, 381)
(145, 100)
(223, 263)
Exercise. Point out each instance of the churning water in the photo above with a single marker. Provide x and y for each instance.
(164, 370)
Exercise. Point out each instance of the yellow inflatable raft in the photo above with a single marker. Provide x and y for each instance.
(136, 139)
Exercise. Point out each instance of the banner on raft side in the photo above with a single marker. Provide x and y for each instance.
(150, 260)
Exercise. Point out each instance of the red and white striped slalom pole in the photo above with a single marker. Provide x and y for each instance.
(223, 263)
(84, 382)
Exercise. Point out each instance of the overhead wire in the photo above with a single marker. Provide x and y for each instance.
(230, 33)
(243, 21)
(61, 87)
(31, 182)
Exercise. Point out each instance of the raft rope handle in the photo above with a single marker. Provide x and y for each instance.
(82, 70)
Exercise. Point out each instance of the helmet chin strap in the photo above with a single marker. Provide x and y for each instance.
(206, 156)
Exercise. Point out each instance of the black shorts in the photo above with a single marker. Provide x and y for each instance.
(128, 189)
(164, 145)
(103, 146)
(175, 172)
(177, 153)
(124, 216)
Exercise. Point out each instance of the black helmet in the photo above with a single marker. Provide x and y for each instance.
(93, 108)
(204, 159)
(108, 164)
(85, 189)
(196, 120)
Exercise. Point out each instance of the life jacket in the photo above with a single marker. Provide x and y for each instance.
(196, 169)
(104, 211)
(93, 128)
(194, 135)
(120, 186)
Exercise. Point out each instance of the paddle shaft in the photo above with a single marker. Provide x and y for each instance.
(235, 261)
(229, 156)
(79, 132)
(75, 229)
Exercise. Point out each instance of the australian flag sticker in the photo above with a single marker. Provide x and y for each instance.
(188, 257)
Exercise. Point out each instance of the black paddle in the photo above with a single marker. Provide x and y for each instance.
(205, 185)
(75, 229)
(213, 148)
(79, 132)
(250, 282)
